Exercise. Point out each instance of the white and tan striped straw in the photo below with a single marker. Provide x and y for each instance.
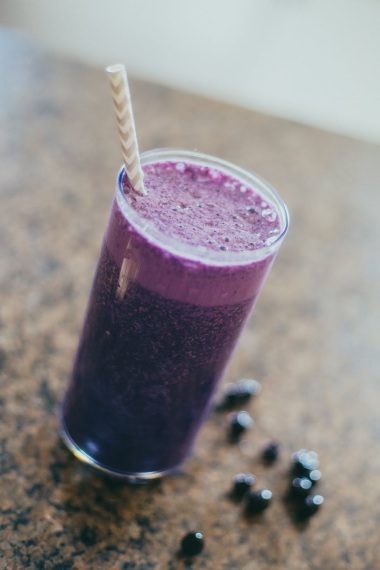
(124, 116)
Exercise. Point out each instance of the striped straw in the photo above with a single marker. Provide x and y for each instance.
(126, 125)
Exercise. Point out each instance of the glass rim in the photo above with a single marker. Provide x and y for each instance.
(202, 253)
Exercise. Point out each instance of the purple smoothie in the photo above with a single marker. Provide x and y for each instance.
(178, 274)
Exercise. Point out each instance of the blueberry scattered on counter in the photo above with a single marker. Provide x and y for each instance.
(270, 452)
(242, 482)
(239, 423)
(315, 476)
(300, 487)
(238, 393)
(192, 543)
(258, 501)
(304, 461)
(309, 506)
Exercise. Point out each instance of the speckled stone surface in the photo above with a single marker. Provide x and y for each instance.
(313, 341)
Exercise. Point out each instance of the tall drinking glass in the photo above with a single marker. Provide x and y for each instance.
(169, 300)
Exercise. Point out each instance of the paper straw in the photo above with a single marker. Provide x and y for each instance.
(126, 125)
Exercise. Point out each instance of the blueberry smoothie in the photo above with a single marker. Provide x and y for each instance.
(179, 272)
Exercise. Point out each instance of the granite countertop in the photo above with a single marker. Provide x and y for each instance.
(313, 340)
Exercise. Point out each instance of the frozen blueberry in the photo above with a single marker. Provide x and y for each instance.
(239, 423)
(238, 393)
(310, 505)
(242, 482)
(300, 487)
(192, 543)
(258, 501)
(304, 462)
(270, 452)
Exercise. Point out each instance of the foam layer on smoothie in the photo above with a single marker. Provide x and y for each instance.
(199, 205)
(200, 272)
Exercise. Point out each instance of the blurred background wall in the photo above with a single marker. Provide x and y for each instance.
(314, 61)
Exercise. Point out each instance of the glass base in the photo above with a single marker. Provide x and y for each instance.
(135, 478)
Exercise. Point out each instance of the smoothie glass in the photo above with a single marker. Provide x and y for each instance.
(162, 321)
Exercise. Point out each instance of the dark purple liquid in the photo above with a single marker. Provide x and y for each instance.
(144, 373)
(154, 345)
